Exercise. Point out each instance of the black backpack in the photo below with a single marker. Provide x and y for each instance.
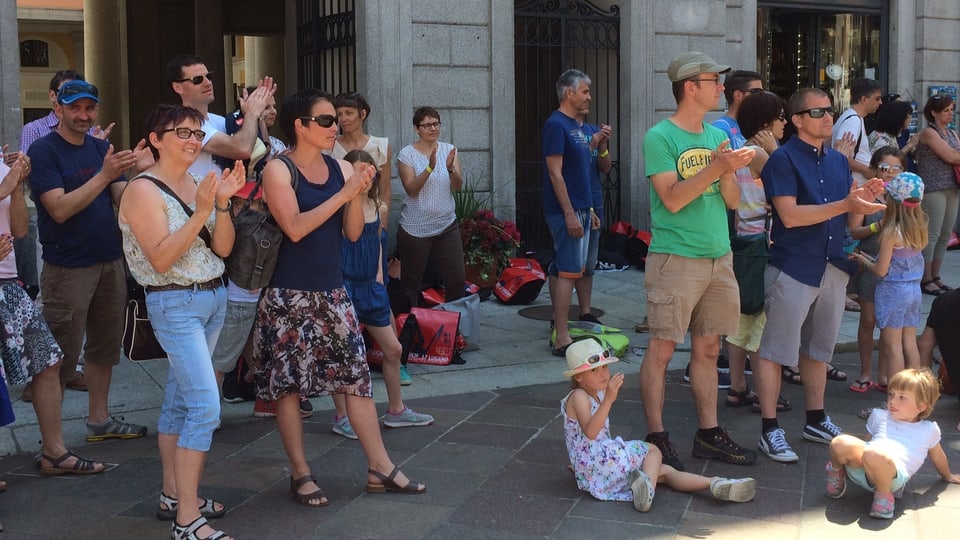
(257, 240)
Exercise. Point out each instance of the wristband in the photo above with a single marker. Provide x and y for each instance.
(874, 227)
(605, 153)
(428, 169)
(227, 209)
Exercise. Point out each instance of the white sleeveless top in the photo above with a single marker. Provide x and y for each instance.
(198, 265)
(376, 147)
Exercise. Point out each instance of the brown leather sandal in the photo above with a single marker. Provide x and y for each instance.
(387, 483)
(307, 498)
(81, 466)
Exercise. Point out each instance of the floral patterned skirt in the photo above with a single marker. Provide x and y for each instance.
(308, 342)
(26, 345)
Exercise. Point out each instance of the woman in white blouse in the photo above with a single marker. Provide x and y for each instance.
(429, 230)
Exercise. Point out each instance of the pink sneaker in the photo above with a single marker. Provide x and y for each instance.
(882, 506)
(836, 481)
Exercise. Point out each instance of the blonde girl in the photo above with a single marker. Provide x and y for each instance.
(612, 469)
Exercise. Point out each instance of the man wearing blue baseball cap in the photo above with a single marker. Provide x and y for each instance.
(76, 180)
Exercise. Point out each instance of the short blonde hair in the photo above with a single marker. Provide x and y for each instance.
(924, 385)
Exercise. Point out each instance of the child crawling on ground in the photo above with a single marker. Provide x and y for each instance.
(614, 469)
(900, 439)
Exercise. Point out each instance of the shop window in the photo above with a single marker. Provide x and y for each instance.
(33, 53)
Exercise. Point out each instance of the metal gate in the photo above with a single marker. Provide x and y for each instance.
(327, 45)
(552, 36)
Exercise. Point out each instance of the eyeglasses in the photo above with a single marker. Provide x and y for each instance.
(782, 117)
(816, 112)
(753, 90)
(323, 120)
(185, 133)
(886, 167)
(197, 79)
(431, 125)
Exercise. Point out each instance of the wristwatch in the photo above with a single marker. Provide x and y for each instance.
(227, 209)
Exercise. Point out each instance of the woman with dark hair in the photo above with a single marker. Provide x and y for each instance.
(176, 228)
(937, 154)
(352, 113)
(892, 118)
(307, 338)
(429, 230)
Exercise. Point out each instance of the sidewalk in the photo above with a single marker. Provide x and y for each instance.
(494, 461)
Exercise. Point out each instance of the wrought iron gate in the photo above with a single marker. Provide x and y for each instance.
(327, 45)
(552, 36)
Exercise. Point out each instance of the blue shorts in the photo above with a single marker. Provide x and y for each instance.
(859, 477)
(592, 252)
(570, 254)
(370, 302)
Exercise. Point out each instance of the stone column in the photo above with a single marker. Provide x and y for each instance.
(268, 54)
(104, 43)
(11, 118)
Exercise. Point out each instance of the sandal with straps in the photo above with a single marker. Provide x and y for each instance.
(306, 498)
(80, 467)
(740, 399)
(387, 483)
(936, 281)
(208, 509)
(189, 532)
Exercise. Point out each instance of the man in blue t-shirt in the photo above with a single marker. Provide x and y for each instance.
(75, 182)
(808, 185)
(567, 198)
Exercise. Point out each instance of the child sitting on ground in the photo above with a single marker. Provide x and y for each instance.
(899, 439)
(614, 469)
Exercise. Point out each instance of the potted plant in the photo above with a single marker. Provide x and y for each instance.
(488, 245)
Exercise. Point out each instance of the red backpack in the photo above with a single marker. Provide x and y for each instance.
(520, 283)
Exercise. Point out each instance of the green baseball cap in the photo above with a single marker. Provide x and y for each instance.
(693, 63)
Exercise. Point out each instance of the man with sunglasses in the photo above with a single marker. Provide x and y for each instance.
(689, 278)
(76, 181)
(865, 99)
(193, 82)
(808, 185)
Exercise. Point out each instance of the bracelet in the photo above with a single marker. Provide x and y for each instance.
(227, 209)
(874, 227)
(428, 169)
(605, 153)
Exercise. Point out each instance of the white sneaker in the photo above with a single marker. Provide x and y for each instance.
(643, 490)
(774, 444)
(733, 489)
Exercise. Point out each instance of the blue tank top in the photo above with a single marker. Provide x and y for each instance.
(313, 263)
(362, 258)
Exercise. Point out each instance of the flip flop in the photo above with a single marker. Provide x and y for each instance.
(861, 387)
(561, 351)
(936, 281)
(935, 292)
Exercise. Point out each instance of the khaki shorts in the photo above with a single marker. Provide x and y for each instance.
(89, 299)
(802, 320)
(699, 295)
(749, 331)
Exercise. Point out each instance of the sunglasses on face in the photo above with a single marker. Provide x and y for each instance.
(198, 79)
(782, 117)
(753, 90)
(323, 120)
(185, 133)
(816, 112)
(886, 167)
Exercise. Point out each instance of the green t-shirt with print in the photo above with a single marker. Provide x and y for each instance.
(699, 229)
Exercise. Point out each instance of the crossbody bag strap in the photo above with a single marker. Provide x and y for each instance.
(856, 149)
(204, 234)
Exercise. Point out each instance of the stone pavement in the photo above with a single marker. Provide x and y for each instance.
(494, 461)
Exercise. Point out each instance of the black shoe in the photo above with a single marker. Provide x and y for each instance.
(723, 448)
(671, 456)
(723, 379)
(306, 408)
(590, 318)
(723, 365)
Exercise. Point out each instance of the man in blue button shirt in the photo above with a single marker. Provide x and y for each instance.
(808, 185)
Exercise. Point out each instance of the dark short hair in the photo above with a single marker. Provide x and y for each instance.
(861, 88)
(63, 75)
(174, 71)
(353, 100)
(738, 80)
(883, 152)
(164, 116)
(297, 105)
(798, 101)
(891, 116)
(424, 112)
(758, 110)
(936, 104)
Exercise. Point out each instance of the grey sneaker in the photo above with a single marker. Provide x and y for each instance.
(407, 418)
(342, 427)
(643, 490)
(774, 444)
(733, 489)
(114, 429)
(822, 432)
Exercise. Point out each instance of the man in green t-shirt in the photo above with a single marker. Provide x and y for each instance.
(689, 268)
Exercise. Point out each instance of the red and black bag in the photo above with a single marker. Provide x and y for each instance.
(520, 283)
(429, 338)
